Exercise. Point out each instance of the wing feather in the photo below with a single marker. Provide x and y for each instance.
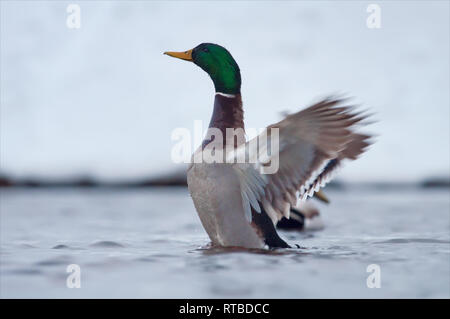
(312, 143)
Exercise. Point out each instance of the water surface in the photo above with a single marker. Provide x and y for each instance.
(149, 243)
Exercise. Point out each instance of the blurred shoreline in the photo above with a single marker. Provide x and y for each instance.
(178, 179)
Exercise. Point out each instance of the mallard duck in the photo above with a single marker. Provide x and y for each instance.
(304, 216)
(239, 203)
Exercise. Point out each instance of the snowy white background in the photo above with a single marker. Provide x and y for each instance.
(103, 100)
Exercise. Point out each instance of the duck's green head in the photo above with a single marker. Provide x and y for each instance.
(217, 62)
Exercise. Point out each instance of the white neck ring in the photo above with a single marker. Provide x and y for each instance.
(226, 95)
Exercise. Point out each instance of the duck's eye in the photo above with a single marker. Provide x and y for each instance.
(205, 50)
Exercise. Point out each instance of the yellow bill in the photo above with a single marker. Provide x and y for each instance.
(321, 196)
(186, 55)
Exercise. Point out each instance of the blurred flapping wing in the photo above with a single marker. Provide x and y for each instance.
(311, 145)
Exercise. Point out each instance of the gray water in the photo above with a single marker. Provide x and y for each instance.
(149, 243)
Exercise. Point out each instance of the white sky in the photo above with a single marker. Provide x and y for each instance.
(103, 100)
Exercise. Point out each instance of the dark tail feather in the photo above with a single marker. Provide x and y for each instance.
(267, 229)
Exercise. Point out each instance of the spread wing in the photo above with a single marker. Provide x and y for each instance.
(310, 143)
